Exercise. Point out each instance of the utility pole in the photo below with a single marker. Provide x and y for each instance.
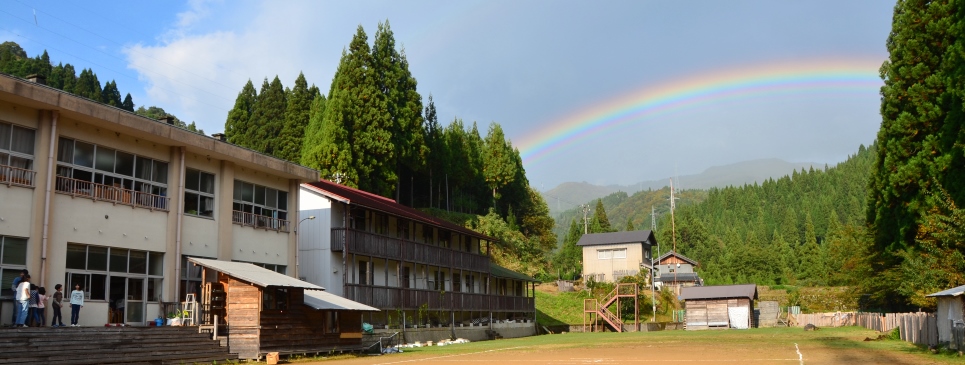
(673, 229)
(653, 266)
(586, 210)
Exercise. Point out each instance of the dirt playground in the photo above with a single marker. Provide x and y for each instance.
(844, 346)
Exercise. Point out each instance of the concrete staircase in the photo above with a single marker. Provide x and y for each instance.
(110, 345)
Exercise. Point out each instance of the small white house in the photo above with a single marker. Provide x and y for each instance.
(950, 311)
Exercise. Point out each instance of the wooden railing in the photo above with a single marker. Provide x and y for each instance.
(16, 176)
(259, 221)
(398, 298)
(113, 194)
(365, 243)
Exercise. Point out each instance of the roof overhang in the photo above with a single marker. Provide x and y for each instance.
(253, 274)
(323, 300)
(953, 292)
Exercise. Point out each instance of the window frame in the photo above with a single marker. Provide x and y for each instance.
(89, 273)
(11, 153)
(276, 213)
(200, 195)
(131, 182)
(5, 289)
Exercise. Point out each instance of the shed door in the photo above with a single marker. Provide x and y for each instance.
(717, 315)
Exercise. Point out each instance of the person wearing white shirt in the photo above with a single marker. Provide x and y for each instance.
(23, 300)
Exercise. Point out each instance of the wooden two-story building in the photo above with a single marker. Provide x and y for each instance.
(417, 269)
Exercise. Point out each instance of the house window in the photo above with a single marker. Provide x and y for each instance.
(281, 269)
(456, 283)
(13, 259)
(274, 298)
(405, 277)
(108, 174)
(620, 253)
(363, 272)
(604, 254)
(190, 278)
(470, 284)
(198, 193)
(259, 206)
(16, 146)
(93, 266)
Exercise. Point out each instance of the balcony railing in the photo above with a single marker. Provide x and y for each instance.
(365, 243)
(398, 298)
(259, 221)
(10, 175)
(113, 194)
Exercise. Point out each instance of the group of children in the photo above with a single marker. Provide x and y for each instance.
(32, 303)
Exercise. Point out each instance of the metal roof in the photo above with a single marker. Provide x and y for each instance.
(953, 292)
(594, 239)
(502, 272)
(254, 274)
(380, 203)
(677, 255)
(327, 301)
(748, 291)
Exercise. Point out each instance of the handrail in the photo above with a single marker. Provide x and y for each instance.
(113, 194)
(17, 176)
(378, 245)
(259, 221)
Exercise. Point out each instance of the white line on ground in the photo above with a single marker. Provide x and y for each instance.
(800, 357)
(448, 356)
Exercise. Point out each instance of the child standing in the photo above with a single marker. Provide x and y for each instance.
(32, 313)
(40, 313)
(23, 300)
(58, 320)
(76, 303)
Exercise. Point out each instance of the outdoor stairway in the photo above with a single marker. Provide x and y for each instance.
(621, 290)
(110, 345)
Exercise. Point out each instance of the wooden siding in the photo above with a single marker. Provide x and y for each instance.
(376, 245)
(243, 307)
(713, 313)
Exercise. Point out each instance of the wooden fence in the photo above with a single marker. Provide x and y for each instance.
(919, 328)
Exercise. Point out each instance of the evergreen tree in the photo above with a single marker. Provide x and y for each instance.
(268, 118)
(238, 125)
(87, 86)
(600, 222)
(70, 78)
(128, 103)
(499, 168)
(569, 259)
(296, 119)
(311, 143)
(438, 153)
(110, 95)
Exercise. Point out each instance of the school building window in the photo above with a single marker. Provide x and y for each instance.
(198, 193)
(259, 206)
(109, 273)
(281, 269)
(190, 278)
(16, 146)
(108, 174)
(13, 259)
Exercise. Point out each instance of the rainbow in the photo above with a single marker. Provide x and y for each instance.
(814, 76)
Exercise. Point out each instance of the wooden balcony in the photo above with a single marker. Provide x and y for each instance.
(411, 299)
(112, 194)
(370, 244)
(259, 221)
(10, 175)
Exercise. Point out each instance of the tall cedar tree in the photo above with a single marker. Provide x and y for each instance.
(499, 168)
(435, 164)
(128, 103)
(238, 124)
(600, 222)
(296, 119)
(918, 127)
(312, 141)
(268, 118)
(404, 105)
(88, 86)
(110, 95)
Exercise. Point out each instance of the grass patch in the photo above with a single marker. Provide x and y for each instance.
(554, 309)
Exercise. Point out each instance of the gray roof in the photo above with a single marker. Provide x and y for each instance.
(953, 292)
(327, 301)
(678, 255)
(748, 291)
(595, 239)
(685, 276)
(502, 272)
(254, 274)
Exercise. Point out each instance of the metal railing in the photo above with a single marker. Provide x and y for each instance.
(10, 175)
(112, 194)
(383, 297)
(365, 243)
(259, 221)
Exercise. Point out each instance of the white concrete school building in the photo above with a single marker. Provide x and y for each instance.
(116, 202)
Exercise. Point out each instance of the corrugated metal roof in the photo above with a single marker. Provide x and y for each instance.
(380, 203)
(953, 292)
(502, 272)
(594, 239)
(719, 292)
(254, 274)
(327, 301)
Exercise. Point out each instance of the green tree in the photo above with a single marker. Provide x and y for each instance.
(238, 125)
(569, 259)
(499, 168)
(87, 86)
(600, 222)
(156, 113)
(267, 118)
(296, 119)
(128, 103)
(110, 95)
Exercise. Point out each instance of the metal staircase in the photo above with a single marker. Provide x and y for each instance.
(593, 310)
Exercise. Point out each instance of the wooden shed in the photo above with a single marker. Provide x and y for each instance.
(263, 311)
(950, 313)
(720, 306)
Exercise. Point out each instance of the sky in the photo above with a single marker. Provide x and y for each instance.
(607, 92)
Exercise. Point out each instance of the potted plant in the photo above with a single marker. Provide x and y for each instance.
(174, 318)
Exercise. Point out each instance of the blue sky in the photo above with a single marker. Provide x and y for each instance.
(523, 64)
